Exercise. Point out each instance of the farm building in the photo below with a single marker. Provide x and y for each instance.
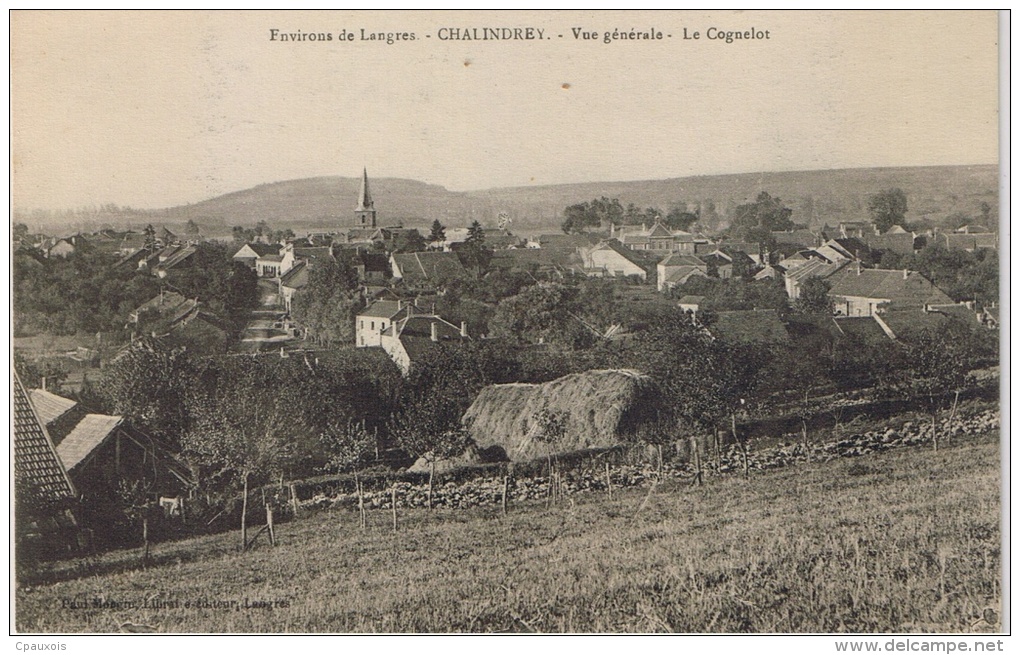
(594, 409)
(44, 494)
(99, 452)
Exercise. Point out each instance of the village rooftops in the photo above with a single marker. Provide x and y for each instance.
(88, 435)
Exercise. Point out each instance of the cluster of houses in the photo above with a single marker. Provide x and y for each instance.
(844, 256)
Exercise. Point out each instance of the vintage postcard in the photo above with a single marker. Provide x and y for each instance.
(508, 322)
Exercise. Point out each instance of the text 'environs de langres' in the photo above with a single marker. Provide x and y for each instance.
(443, 34)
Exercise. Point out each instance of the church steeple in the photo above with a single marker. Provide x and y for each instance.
(364, 214)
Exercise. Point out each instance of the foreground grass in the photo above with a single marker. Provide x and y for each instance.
(904, 541)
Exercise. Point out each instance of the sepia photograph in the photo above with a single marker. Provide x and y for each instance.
(509, 322)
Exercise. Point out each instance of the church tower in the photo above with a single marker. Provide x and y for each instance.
(364, 215)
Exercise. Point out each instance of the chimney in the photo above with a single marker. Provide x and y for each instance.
(858, 267)
(435, 331)
(400, 305)
(463, 329)
(905, 274)
(43, 383)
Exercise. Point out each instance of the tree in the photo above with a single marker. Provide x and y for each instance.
(679, 218)
(349, 447)
(192, 228)
(888, 208)
(429, 427)
(329, 302)
(241, 294)
(757, 220)
(152, 385)
(814, 296)
(476, 234)
(242, 234)
(409, 241)
(149, 243)
(474, 254)
(438, 232)
(243, 430)
(600, 212)
(937, 364)
(540, 313)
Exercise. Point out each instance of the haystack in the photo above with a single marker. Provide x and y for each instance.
(594, 409)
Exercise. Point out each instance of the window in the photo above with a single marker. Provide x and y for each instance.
(373, 325)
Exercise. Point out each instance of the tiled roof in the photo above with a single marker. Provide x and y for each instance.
(805, 238)
(905, 323)
(967, 241)
(746, 247)
(416, 266)
(50, 406)
(676, 259)
(90, 432)
(898, 243)
(623, 251)
(179, 257)
(534, 257)
(166, 302)
(761, 326)
(566, 241)
(815, 268)
(35, 458)
(899, 287)
(295, 278)
(681, 274)
(375, 262)
(315, 252)
(865, 327)
(271, 257)
(382, 309)
(262, 249)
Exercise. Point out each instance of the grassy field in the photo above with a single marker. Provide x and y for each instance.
(904, 541)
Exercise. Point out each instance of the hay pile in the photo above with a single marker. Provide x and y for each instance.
(595, 409)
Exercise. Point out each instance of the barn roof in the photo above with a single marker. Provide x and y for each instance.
(88, 435)
(35, 457)
(49, 406)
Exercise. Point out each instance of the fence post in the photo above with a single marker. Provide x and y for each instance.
(294, 499)
(393, 495)
(269, 524)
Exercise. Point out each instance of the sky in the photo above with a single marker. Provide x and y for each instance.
(154, 109)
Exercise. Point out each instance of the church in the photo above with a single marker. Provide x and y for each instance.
(366, 228)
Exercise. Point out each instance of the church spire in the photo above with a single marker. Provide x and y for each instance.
(364, 214)
(364, 195)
